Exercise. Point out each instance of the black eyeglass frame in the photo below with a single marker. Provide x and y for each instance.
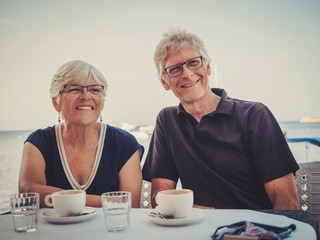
(82, 87)
(181, 65)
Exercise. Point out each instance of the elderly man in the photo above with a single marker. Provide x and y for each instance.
(230, 152)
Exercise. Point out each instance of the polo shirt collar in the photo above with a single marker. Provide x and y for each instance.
(225, 106)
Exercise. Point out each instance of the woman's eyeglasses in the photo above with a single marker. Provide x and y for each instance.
(78, 89)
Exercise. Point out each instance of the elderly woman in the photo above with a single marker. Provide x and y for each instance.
(81, 152)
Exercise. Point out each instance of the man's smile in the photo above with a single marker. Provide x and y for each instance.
(190, 85)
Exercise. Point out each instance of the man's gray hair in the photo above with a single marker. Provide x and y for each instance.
(175, 40)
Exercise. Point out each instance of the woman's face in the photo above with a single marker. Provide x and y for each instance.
(81, 108)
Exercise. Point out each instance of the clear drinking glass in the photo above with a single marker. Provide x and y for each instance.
(116, 208)
(24, 210)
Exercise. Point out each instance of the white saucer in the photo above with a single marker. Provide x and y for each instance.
(53, 217)
(195, 216)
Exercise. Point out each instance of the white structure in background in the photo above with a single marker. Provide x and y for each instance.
(310, 119)
(127, 126)
(147, 129)
(140, 135)
(139, 132)
(215, 77)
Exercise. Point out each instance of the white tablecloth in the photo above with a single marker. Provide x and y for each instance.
(142, 228)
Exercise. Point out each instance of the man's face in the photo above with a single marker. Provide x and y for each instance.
(190, 85)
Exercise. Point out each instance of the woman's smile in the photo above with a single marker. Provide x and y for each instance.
(85, 108)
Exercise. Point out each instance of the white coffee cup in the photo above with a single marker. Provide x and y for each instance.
(176, 203)
(67, 202)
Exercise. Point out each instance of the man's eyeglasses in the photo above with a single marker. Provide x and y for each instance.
(192, 64)
(78, 89)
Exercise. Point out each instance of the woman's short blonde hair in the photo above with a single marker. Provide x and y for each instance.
(175, 40)
(75, 71)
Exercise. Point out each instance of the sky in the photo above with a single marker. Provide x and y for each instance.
(261, 50)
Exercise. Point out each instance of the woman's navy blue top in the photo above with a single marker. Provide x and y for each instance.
(119, 146)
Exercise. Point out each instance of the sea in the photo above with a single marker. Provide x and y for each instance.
(11, 146)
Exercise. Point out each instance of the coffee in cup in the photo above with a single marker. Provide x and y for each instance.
(176, 203)
(67, 202)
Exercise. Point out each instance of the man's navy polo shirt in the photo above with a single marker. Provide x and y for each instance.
(226, 158)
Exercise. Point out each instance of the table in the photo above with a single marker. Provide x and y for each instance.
(142, 228)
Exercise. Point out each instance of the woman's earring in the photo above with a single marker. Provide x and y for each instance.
(100, 118)
(59, 118)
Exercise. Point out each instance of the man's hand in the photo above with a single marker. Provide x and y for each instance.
(159, 184)
(202, 207)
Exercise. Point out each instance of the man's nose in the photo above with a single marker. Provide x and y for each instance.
(186, 72)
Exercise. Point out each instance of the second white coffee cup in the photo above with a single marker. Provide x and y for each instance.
(67, 202)
(176, 203)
